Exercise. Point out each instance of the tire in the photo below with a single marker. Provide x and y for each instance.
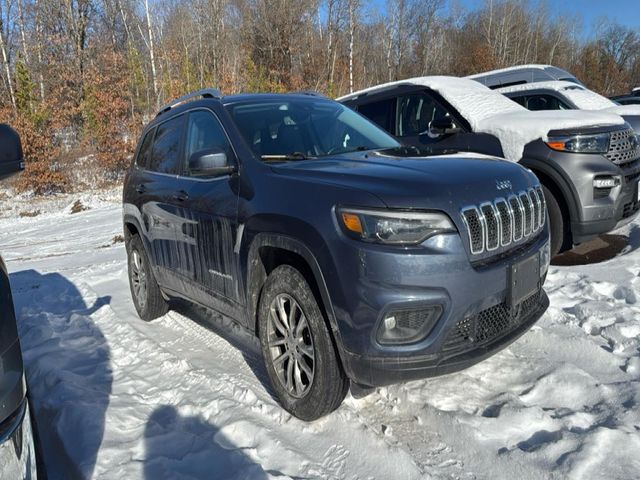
(557, 225)
(310, 381)
(145, 292)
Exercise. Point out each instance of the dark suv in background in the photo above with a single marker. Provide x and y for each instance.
(351, 257)
(588, 162)
(11, 161)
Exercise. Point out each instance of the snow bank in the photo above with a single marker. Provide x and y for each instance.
(488, 111)
(186, 397)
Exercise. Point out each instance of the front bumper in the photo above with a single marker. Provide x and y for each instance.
(379, 371)
(17, 449)
(598, 214)
(605, 215)
(377, 280)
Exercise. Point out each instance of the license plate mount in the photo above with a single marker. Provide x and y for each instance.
(524, 280)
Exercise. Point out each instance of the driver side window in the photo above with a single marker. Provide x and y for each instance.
(416, 112)
(206, 135)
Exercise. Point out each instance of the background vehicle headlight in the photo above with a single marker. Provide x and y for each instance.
(598, 143)
(393, 227)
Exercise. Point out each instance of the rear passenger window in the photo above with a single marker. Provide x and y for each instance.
(165, 154)
(382, 113)
(145, 149)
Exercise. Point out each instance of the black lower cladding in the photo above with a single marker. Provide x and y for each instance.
(490, 324)
(470, 341)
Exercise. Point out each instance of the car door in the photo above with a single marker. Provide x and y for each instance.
(418, 111)
(161, 195)
(408, 114)
(212, 214)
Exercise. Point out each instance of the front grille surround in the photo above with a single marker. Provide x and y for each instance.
(503, 222)
(622, 149)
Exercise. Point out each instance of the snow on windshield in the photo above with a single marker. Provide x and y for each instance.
(488, 111)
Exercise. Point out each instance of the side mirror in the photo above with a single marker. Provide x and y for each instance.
(210, 163)
(442, 126)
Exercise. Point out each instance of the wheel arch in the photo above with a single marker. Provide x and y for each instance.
(267, 252)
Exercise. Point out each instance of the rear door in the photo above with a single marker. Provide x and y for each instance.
(211, 217)
(159, 188)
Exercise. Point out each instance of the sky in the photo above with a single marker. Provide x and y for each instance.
(587, 12)
(625, 12)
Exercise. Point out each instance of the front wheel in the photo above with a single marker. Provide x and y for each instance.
(298, 351)
(557, 225)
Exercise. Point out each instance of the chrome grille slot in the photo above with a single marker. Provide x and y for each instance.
(506, 221)
(500, 223)
(543, 206)
(518, 217)
(528, 217)
(492, 226)
(474, 225)
(535, 202)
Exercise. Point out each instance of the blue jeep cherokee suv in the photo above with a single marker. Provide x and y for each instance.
(352, 258)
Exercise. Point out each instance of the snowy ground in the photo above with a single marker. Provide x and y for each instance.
(183, 398)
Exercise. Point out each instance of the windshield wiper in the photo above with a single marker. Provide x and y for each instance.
(285, 158)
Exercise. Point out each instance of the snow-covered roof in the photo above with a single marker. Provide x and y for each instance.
(581, 97)
(488, 111)
(511, 69)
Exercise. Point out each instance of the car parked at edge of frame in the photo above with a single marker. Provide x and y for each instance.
(11, 160)
(18, 458)
(352, 258)
(589, 172)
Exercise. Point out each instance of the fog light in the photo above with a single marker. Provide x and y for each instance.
(606, 182)
(408, 325)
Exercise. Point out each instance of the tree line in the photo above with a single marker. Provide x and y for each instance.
(81, 77)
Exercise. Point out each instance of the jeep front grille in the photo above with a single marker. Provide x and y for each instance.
(504, 221)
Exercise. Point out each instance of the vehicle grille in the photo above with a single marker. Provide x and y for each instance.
(490, 324)
(623, 147)
(624, 151)
(504, 221)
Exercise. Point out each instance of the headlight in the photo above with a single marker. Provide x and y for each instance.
(393, 227)
(598, 143)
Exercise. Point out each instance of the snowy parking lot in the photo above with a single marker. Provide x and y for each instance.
(187, 397)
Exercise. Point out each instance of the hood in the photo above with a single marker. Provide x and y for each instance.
(443, 182)
(517, 129)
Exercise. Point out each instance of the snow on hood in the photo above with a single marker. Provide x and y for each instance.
(488, 111)
(581, 97)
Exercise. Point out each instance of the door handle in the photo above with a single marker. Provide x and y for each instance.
(141, 188)
(181, 196)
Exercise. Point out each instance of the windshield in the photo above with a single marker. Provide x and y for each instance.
(299, 128)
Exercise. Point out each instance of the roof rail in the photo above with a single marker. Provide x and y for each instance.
(311, 93)
(204, 93)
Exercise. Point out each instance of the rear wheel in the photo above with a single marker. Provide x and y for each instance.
(557, 225)
(299, 353)
(145, 292)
